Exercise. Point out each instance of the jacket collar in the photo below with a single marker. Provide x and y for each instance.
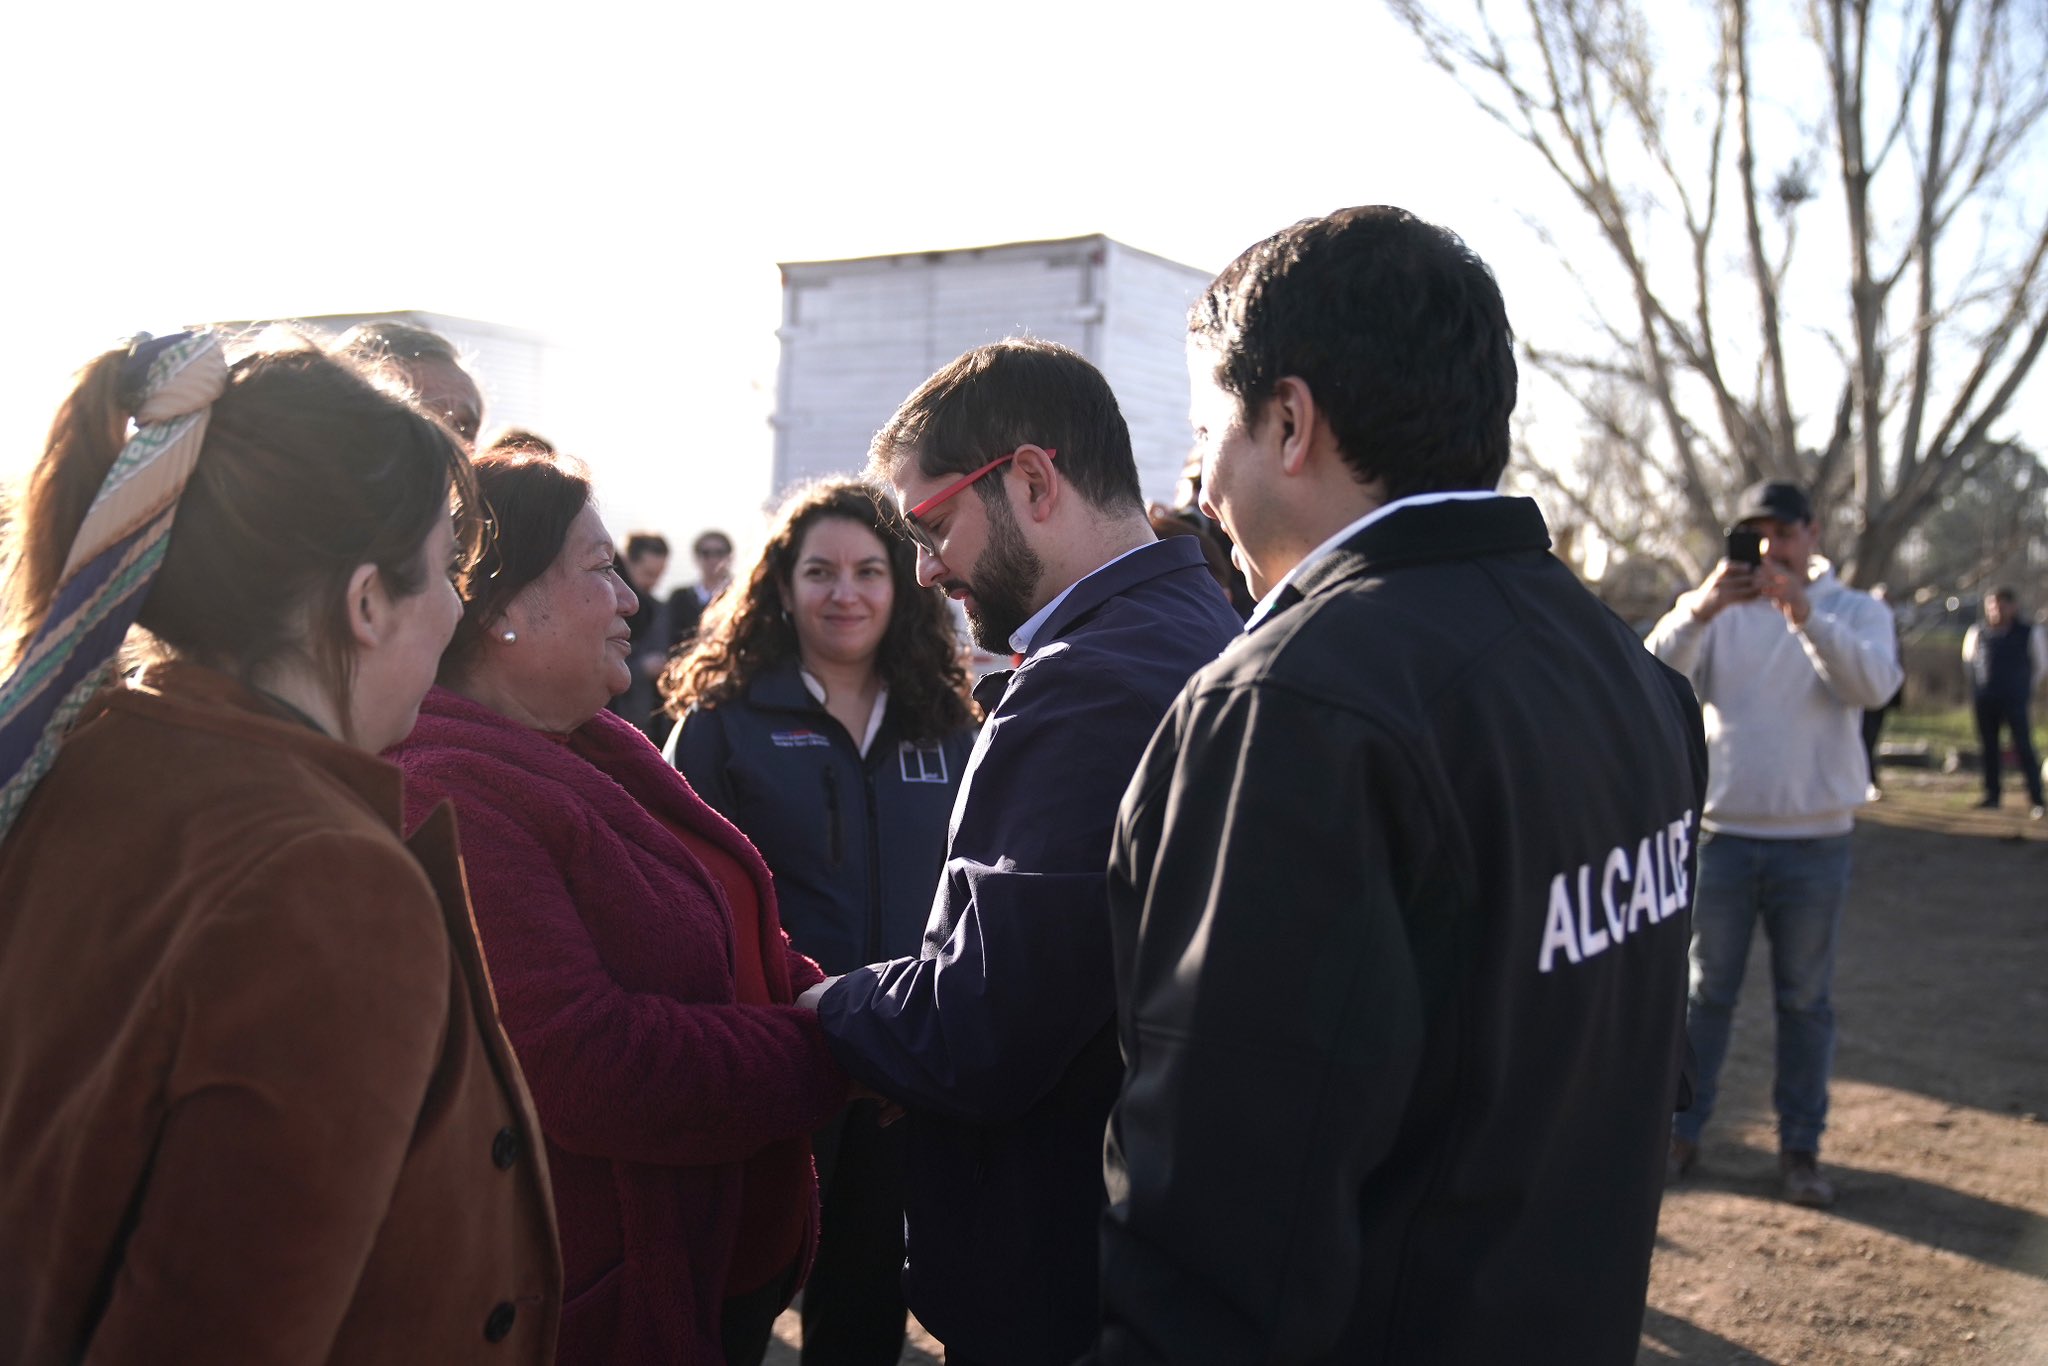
(187, 694)
(989, 689)
(1429, 533)
(1119, 576)
(782, 688)
(1165, 556)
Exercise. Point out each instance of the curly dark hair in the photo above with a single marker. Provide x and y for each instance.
(747, 631)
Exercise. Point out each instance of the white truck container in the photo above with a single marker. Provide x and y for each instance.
(859, 335)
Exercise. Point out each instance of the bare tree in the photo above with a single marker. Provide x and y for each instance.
(1991, 530)
(1875, 369)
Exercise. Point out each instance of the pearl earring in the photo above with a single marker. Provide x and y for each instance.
(509, 637)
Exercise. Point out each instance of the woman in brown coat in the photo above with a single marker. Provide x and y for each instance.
(255, 1105)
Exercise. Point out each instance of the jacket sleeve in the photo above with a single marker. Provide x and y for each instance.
(1273, 1029)
(701, 750)
(1854, 649)
(804, 972)
(984, 1024)
(631, 1075)
(308, 1011)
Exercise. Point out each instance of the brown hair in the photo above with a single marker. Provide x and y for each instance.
(388, 339)
(307, 472)
(531, 497)
(747, 631)
(646, 543)
(998, 397)
(522, 439)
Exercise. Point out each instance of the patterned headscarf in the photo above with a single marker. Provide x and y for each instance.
(117, 552)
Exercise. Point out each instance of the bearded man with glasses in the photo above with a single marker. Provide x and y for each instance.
(1013, 468)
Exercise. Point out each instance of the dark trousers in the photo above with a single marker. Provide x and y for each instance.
(1873, 726)
(853, 1303)
(2010, 713)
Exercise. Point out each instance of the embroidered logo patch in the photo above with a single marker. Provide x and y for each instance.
(922, 763)
(799, 739)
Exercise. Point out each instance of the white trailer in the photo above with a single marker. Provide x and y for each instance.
(859, 335)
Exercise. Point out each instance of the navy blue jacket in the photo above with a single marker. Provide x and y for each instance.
(855, 843)
(2010, 675)
(999, 1037)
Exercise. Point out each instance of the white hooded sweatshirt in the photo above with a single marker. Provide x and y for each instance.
(1784, 705)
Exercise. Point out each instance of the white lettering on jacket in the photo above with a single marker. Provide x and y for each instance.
(1588, 912)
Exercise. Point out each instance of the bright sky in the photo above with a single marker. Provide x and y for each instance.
(623, 178)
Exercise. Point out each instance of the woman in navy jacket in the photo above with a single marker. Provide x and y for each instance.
(825, 712)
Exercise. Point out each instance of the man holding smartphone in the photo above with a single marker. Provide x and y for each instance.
(1785, 660)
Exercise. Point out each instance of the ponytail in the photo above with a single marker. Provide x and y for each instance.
(106, 553)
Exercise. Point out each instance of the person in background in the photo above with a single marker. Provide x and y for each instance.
(1785, 659)
(642, 565)
(712, 552)
(633, 937)
(1187, 506)
(1873, 718)
(521, 439)
(1192, 521)
(426, 364)
(825, 711)
(255, 1103)
(1013, 468)
(2007, 657)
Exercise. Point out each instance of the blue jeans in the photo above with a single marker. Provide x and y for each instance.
(1795, 888)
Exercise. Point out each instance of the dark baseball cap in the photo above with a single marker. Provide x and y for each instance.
(1777, 501)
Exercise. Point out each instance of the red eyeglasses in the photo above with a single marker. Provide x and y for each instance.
(919, 533)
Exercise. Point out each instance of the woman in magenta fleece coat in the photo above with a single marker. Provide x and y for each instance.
(632, 938)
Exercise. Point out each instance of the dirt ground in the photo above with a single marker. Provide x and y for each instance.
(1937, 1250)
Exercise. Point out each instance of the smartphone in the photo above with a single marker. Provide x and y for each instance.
(1745, 547)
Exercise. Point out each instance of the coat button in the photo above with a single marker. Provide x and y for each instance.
(499, 1323)
(505, 1148)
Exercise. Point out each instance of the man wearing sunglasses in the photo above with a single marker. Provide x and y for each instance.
(1013, 469)
(1400, 893)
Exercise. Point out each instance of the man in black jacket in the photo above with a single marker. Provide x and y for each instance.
(1013, 466)
(1400, 893)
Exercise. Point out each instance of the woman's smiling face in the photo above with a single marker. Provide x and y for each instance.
(570, 657)
(840, 594)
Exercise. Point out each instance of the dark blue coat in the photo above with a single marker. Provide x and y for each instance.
(855, 842)
(999, 1037)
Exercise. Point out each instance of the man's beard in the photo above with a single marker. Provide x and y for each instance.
(1003, 582)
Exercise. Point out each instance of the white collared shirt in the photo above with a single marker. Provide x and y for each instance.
(1309, 560)
(817, 690)
(1020, 639)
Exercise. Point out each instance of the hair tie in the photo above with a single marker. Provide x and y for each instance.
(116, 553)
